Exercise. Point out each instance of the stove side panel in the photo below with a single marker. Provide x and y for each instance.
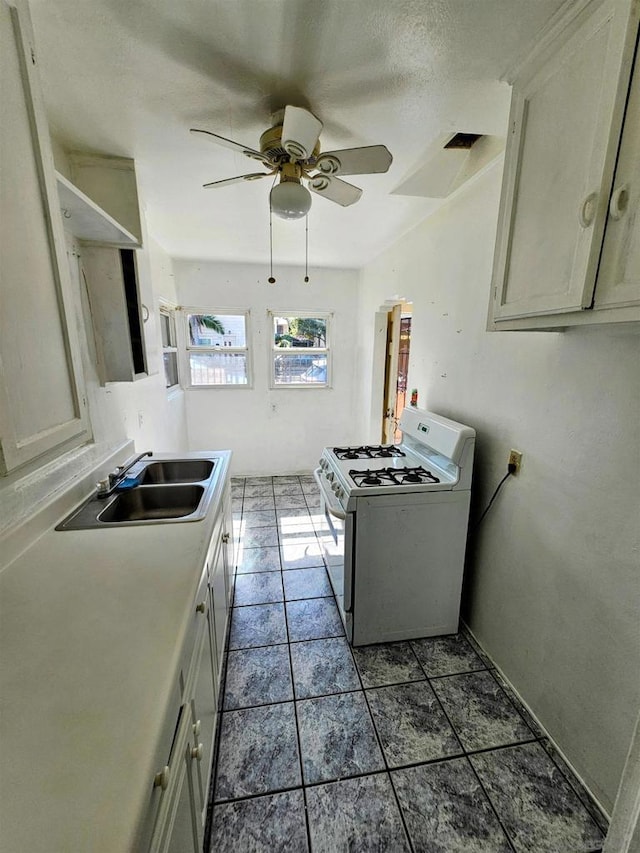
(409, 562)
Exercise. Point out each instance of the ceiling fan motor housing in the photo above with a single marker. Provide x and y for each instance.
(272, 147)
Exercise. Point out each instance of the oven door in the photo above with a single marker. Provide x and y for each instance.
(336, 538)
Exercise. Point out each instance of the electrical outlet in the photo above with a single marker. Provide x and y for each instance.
(515, 458)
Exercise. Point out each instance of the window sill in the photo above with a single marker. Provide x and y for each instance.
(175, 393)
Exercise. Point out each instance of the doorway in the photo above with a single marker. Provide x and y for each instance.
(403, 372)
(393, 322)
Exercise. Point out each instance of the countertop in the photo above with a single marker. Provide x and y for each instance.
(92, 624)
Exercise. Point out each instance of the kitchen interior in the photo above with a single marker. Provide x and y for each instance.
(516, 253)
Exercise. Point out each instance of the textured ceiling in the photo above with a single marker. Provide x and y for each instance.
(130, 77)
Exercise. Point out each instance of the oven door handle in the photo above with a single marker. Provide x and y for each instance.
(335, 510)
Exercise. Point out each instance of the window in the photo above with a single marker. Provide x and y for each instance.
(217, 349)
(169, 348)
(300, 350)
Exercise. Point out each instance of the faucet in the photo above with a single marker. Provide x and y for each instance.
(107, 486)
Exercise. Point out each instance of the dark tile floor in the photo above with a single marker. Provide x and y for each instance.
(409, 746)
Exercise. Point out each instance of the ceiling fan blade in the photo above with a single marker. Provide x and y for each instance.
(237, 180)
(368, 160)
(229, 143)
(300, 132)
(335, 190)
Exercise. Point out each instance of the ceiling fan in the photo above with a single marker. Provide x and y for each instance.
(291, 150)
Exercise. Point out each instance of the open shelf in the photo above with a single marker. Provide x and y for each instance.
(89, 222)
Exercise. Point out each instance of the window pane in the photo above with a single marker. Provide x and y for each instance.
(170, 368)
(165, 325)
(300, 331)
(213, 368)
(222, 330)
(300, 369)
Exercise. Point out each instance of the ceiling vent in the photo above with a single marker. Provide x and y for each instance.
(449, 162)
(463, 140)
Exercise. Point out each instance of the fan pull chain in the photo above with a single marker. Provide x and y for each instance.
(306, 249)
(271, 278)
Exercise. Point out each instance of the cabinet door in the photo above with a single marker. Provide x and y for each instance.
(219, 594)
(204, 710)
(116, 316)
(564, 131)
(228, 544)
(177, 828)
(619, 274)
(42, 401)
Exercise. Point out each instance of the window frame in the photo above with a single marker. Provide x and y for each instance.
(188, 348)
(168, 309)
(326, 351)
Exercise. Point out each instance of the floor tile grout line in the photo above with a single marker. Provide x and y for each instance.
(301, 787)
(510, 841)
(295, 713)
(219, 712)
(384, 757)
(455, 674)
(281, 600)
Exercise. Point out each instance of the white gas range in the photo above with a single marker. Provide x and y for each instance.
(394, 529)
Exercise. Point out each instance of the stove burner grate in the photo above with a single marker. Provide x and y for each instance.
(393, 477)
(368, 451)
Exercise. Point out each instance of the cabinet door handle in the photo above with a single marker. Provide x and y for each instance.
(202, 607)
(197, 752)
(619, 202)
(161, 779)
(196, 727)
(587, 212)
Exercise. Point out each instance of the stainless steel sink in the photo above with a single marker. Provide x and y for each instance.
(177, 471)
(152, 504)
(168, 491)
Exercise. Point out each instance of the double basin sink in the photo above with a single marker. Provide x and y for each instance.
(166, 491)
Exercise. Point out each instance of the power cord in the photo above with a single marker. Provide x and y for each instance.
(511, 469)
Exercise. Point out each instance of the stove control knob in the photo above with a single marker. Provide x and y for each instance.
(330, 476)
(323, 464)
(335, 488)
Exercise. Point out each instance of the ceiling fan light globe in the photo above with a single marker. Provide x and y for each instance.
(290, 200)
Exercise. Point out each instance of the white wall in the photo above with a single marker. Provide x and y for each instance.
(553, 581)
(139, 411)
(274, 430)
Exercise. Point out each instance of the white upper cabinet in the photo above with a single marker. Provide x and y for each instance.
(566, 121)
(619, 274)
(42, 401)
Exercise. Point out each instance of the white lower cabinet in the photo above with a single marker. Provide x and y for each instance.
(177, 828)
(178, 815)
